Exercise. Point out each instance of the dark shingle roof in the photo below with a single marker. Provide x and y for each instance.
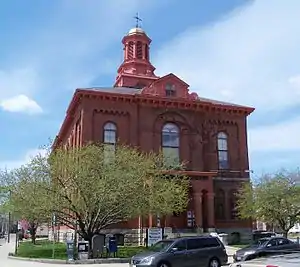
(134, 91)
(115, 90)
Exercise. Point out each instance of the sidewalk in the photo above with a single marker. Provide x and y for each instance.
(6, 248)
(231, 250)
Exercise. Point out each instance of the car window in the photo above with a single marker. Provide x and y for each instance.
(272, 243)
(195, 243)
(210, 242)
(180, 245)
(283, 241)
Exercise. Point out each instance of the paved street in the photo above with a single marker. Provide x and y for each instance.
(5, 262)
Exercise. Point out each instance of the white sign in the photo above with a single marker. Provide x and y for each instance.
(154, 235)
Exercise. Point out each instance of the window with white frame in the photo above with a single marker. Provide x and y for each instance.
(223, 151)
(170, 143)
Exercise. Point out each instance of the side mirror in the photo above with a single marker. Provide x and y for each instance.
(173, 250)
(269, 245)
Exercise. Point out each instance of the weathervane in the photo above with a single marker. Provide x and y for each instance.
(138, 19)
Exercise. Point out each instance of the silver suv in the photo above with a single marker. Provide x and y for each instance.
(197, 251)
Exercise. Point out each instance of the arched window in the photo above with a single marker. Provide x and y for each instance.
(223, 151)
(110, 133)
(220, 205)
(170, 143)
(109, 140)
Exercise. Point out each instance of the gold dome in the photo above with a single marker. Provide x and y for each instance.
(136, 30)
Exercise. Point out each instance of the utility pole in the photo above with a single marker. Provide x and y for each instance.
(9, 221)
(8, 228)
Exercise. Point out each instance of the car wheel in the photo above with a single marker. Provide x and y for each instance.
(214, 263)
(163, 264)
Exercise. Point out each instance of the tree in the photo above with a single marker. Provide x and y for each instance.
(273, 199)
(27, 197)
(98, 186)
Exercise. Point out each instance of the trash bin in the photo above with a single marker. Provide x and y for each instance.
(112, 246)
(83, 250)
(70, 250)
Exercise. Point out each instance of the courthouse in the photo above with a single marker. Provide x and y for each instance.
(157, 113)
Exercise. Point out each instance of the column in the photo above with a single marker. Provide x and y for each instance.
(211, 211)
(197, 201)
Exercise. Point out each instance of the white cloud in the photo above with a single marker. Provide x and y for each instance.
(13, 84)
(279, 137)
(21, 103)
(247, 57)
(12, 164)
(18, 81)
(68, 49)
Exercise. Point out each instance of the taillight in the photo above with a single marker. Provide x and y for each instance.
(272, 266)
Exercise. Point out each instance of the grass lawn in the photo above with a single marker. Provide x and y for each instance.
(43, 250)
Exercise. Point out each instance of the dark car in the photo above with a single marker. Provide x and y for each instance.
(264, 247)
(282, 260)
(183, 252)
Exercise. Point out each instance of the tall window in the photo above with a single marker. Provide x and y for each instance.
(223, 151)
(130, 50)
(233, 204)
(170, 90)
(170, 143)
(139, 50)
(109, 140)
(220, 205)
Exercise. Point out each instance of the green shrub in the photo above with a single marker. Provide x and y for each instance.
(43, 249)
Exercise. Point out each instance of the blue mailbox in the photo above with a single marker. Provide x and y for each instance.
(70, 250)
(112, 245)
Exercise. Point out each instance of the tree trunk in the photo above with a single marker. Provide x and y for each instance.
(285, 233)
(33, 235)
(90, 255)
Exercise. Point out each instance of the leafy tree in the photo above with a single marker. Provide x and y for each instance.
(98, 186)
(273, 199)
(27, 197)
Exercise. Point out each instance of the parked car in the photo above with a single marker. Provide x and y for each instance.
(197, 251)
(265, 246)
(257, 234)
(280, 260)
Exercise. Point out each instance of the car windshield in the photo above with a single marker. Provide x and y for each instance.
(161, 246)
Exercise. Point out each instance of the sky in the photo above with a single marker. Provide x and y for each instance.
(241, 51)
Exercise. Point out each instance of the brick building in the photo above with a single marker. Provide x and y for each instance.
(156, 113)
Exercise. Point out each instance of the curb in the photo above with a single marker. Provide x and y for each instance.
(87, 261)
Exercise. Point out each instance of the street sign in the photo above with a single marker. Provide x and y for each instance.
(154, 235)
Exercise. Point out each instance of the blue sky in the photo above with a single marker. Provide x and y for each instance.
(243, 51)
